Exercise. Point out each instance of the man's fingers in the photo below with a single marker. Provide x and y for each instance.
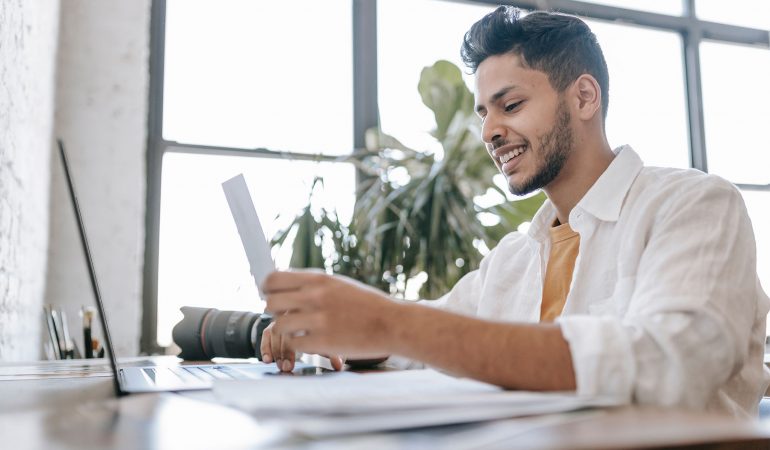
(287, 356)
(289, 327)
(275, 347)
(290, 301)
(338, 362)
(288, 281)
(297, 323)
(264, 347)
(283, 302)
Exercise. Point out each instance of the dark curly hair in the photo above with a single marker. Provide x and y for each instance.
(562, 46)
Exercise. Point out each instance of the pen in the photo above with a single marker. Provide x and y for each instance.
(57, 326)
(52, 334)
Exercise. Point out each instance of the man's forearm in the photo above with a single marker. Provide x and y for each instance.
(514, 356)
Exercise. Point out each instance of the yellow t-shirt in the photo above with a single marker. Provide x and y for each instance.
(558, 275)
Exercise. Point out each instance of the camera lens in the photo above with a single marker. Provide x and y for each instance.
(205, 333)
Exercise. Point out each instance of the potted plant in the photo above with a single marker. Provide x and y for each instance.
(415, 212)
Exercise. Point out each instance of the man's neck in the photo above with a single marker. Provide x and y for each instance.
(584, 166)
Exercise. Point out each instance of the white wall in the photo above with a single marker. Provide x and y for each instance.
(27, 53)
(101, 114)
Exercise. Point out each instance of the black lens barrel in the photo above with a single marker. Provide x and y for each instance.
(229, 334)
(187, 333)
(205, 333)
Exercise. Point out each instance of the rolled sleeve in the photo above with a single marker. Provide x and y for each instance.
(686, 325)
(602, 356)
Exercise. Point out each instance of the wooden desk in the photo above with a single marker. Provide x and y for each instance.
(82, 413)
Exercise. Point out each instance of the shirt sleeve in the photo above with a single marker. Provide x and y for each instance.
(691, 311)
(463, 298)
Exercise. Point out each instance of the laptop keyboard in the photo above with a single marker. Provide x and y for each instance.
(196, 373)
(207, 374)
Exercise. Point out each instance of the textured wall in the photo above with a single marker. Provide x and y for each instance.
(27, 54)
(101, 114)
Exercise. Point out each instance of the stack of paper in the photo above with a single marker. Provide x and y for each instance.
(344, 403)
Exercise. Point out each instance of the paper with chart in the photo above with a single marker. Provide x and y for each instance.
(252, 237)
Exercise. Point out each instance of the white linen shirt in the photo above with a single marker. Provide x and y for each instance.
(665, 306)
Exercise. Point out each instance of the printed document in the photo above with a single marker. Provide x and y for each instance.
(339, 404)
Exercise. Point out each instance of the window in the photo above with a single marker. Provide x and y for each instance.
(656, 6)
(292, 78)
(283, 82)
(747, 13)
(202, 262)
(242, 75)
(737, 113)
(736, 116)
(647, 99)
(630, 53)
(413, 25)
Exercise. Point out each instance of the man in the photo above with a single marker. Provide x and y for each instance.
(635, 282)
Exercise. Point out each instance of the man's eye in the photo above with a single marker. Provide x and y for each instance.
(511, 106)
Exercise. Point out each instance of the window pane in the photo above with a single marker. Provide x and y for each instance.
(202, 261)
(756, 203)
(736, 111)
(272, 74)
(747, 13)
(671, 7)
(413, 34)
(647, 101)
(656, 129)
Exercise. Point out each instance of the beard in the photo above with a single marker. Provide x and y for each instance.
(555, 148)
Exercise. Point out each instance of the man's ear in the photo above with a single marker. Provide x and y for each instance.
(588, 97)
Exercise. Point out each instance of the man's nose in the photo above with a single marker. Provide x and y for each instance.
(492, 130)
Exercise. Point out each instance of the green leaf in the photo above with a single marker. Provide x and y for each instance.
(443, 90)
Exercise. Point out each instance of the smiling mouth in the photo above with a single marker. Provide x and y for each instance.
(511, 154)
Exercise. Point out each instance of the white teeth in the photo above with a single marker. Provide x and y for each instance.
(512, 154)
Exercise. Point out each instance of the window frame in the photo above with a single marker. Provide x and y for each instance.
(366, 114)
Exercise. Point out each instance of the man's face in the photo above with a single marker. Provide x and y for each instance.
(525, 124)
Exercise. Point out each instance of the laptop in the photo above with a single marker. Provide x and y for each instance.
(134, 379)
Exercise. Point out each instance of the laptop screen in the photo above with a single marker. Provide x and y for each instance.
(91, 272)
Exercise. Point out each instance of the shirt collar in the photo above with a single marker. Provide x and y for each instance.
(603, 200)
(538, 229)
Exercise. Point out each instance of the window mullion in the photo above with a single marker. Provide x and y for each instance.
(694, 93)
(155, 147)
(365, 110)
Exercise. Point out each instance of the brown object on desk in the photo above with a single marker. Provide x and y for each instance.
(88, 340)
(365, 363)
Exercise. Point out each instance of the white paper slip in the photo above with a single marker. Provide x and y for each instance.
(252, 237)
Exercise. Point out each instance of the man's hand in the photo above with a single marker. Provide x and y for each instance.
(273, 347)
(331, 315)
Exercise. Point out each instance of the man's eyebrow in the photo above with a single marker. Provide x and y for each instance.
(497, 96)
